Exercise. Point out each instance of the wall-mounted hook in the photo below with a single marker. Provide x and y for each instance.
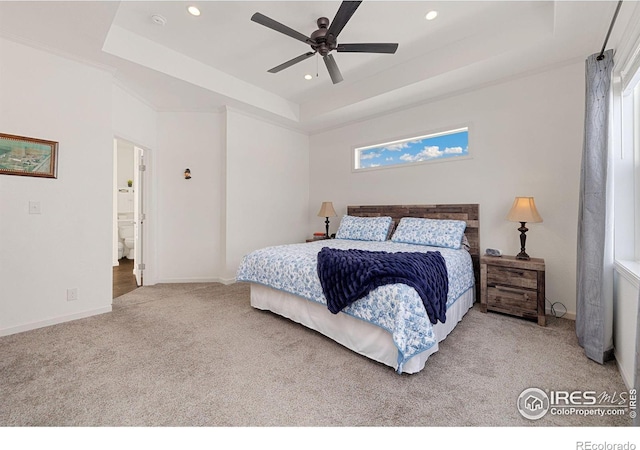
(187, 174)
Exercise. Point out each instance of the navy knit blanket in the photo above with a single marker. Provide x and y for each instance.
(349, 275)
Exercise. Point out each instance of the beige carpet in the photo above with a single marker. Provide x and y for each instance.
(199, 355)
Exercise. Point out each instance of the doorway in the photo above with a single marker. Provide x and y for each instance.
(128, 216)
(124, 281)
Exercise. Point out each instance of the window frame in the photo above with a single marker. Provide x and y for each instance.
(636, 167)
(358, 149)
(626, 172)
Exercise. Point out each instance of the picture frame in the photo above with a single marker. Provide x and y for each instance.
(26, 156)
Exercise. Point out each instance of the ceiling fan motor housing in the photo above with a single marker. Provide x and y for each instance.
(321, 41)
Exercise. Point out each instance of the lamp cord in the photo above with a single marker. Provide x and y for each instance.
(552, 307)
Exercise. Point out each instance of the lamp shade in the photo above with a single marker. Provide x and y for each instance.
(524, 210)
(326, 210)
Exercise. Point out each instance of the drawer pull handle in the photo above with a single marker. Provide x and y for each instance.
(515, 291)
(514, 271)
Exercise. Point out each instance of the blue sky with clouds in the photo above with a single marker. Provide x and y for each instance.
(428, 148)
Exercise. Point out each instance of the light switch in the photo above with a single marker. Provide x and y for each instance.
(34, 207)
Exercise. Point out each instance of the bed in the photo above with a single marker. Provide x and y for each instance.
(390, 324)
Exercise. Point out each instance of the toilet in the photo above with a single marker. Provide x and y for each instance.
(125, 235)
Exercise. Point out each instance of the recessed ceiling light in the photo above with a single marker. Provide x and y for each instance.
(431, 15)
(308, 77)
(193, 10)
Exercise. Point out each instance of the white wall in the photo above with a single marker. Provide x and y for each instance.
(133, 119)
(525, 140)
(125, 164)
(267, 186)
(68, 245)
(188, 240)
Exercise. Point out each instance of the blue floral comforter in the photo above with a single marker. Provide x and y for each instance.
(396, 308)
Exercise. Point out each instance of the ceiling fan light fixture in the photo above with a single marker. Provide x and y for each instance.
(308, 77)
(193, 10)
(431, 15)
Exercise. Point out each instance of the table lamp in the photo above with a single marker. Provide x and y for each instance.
(523, 211)
(326, 211)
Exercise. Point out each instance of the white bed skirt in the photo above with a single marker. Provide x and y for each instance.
(355, 334)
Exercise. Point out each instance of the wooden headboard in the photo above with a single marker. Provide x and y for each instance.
(470, 213)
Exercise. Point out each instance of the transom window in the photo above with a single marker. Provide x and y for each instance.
(427, 148)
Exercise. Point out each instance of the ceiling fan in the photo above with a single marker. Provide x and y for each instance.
(324, 39)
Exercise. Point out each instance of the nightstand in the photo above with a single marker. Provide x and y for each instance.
(513, 286)
(317, 239)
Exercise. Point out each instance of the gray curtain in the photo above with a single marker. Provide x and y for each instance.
(594, 302)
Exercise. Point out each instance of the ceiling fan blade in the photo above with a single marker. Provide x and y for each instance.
(291, 62)
(343, 15)
(367, 48)
(277, 26)
(332, 67)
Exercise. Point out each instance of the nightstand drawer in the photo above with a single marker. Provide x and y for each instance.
(510, 298)
(511, 276)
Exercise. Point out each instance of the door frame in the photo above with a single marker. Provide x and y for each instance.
(139, 216)
(146, 195)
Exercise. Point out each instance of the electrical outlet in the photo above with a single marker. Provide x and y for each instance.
(72, 294)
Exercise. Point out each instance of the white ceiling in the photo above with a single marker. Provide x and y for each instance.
(222, 57)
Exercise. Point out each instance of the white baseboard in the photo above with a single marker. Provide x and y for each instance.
(54, 321)
(196, 280)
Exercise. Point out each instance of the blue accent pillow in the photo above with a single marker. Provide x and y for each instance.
(434, 232)
(364, 228)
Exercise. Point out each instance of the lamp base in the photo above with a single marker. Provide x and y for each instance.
(523, 239)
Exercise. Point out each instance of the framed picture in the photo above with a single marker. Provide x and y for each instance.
(27, 156)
